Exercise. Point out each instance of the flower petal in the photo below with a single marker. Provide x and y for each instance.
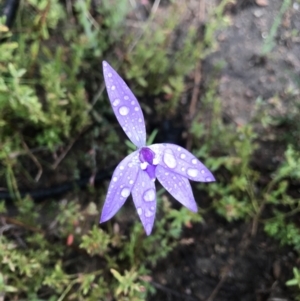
(178, 160)
(121, 184)
(179, 187)
(125, 106)
(144, 198)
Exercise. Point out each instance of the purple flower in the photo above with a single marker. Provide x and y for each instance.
(171, 164)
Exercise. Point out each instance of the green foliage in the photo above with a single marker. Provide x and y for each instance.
(49, 74)
(269, 43)
(296, 279)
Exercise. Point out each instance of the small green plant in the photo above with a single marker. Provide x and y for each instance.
(269, 42)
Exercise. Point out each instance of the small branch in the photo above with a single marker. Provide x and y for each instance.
(35, 160)
(173, 292)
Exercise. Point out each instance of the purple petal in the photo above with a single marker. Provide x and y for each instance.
(125, 106)
(180, 161)
(144, 198)
(120, 186)
(179, 187)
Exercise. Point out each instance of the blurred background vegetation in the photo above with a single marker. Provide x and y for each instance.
(57, 132)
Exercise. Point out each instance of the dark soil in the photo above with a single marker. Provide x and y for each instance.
(221, 261)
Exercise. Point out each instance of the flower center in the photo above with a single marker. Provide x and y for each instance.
(146, 156)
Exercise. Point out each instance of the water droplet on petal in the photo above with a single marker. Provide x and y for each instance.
(136, 108)
(152, 208)
(182, 156)
(149, 195)
(140, 119)
(121, 167)
(129, 134)
(139, 211)
(125, 192)
(131, 182)
(183, 169)
(202, 171)
(179, 149)
(113, 87)
(133, 102)
(149, 213)
(169, 159)
(192, 172)
(194, 161)
(126, 97)
(144, 165)
(208, 179)
(155, 161)
(116, 102)
(123, 111)
(115, 179)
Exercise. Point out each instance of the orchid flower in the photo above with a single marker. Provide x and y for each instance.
(171, 164)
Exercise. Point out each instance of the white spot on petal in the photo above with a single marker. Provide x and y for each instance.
(113, 87)
(136, 108)
(125, 192)
(155, 161)
(208, 179)
(169, 159)
(149, 195)
(116, 102)
(194, 161)
(202, 171)
(182, 156)
(139, 211)
(132, 102)
(109, 75)
(131, 182)
(115, 179)
(149, 213)
(121, 167)
(126, 97)
(192, 172)
(144, 165)
(124, 111)
(140, 119)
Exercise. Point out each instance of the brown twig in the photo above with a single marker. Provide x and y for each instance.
(221, 282)
(10, 220)
(62, 155)
(173, 292)
(35, 160)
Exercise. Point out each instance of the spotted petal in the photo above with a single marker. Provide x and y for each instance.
(144, 198)
(179, 187)
(120, 186)
(125, 106)
(180, 161)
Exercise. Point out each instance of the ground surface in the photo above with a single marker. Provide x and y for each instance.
(220, 261)
(217, 260)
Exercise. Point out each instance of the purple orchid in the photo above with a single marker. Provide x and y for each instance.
(171, 164)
